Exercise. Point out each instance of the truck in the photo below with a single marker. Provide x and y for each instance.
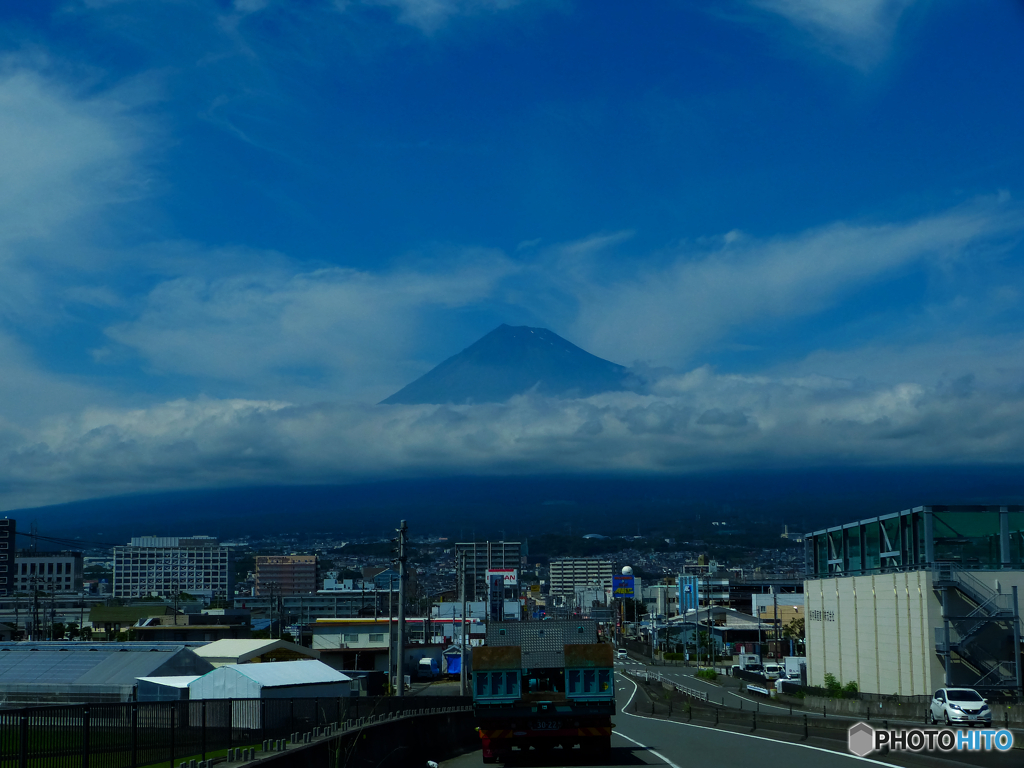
(793, 666)
(748, 661)
(428, 669)
(543, 684)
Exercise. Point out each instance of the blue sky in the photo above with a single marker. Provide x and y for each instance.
(228, 228)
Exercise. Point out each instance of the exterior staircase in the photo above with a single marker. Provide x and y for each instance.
(976, 622)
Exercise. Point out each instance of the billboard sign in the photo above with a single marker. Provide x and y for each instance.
(622, 587)
(509, 575)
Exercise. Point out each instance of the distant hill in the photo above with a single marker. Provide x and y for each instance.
(511, 360)
(520, 507)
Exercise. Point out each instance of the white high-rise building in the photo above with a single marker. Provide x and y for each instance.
(569, 573)
(164, 566)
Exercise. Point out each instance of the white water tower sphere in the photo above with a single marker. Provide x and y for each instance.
(627, 570)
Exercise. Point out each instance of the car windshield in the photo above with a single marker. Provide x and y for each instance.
(963, 694)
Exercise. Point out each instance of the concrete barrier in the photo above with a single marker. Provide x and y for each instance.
(386, 743)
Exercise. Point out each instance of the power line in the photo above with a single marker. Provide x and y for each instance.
(57, 540)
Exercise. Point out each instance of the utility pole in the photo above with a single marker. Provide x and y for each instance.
(35, 608)
(403, 532)
(391, 633)
(464, 656)
(711, 638)
(775, 621)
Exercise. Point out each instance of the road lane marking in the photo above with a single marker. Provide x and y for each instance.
(644, 746)
(733, 733)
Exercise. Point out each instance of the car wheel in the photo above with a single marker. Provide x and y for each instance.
(945, 716)
(931, 718)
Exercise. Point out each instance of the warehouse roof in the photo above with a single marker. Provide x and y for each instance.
(282, 673)
(103, 665)
(241, 651)
(174, 681)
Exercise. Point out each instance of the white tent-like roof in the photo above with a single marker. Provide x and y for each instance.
(179, 681)
(282, 679)
(221, 652)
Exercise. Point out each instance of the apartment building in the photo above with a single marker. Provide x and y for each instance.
(286, 575)
(482, 556)
(8, 529)
(163, 566)
(567, 574)
(47, 572)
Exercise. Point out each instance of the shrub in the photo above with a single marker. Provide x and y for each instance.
(707, 674)
(833, 687)
(850, 690)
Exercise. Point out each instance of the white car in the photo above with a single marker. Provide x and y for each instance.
(960, 705)
(621, 654)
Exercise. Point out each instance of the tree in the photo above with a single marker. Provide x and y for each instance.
(795, 629)
(705, 646)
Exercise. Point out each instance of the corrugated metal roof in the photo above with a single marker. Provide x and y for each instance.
(91, 664)
(278, 673)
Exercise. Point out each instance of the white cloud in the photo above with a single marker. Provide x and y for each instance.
(669, 312)
(430, 15)
(990, 361)
(63, 156)
(859, 31)
(693, 422)
(353, 329)
(66, 157)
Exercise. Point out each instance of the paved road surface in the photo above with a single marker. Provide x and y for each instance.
(639, 740)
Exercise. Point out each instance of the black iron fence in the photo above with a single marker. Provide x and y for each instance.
(137, 734)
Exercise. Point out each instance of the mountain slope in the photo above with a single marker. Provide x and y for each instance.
(510, 361)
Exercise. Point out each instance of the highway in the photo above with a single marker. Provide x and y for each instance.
(641, 740)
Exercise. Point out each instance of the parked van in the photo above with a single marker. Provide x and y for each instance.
(772, 671)
(428, 669)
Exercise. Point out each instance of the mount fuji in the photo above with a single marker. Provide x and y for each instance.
(512, 360)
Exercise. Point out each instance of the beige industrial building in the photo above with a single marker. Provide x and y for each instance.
(914, 601)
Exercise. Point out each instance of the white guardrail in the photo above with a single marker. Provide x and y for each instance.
(657, 677)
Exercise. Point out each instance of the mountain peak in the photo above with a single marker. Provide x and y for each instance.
(511, 360)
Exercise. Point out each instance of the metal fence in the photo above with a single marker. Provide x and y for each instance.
(135, 734)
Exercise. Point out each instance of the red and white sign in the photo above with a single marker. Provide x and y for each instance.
(509, 575)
